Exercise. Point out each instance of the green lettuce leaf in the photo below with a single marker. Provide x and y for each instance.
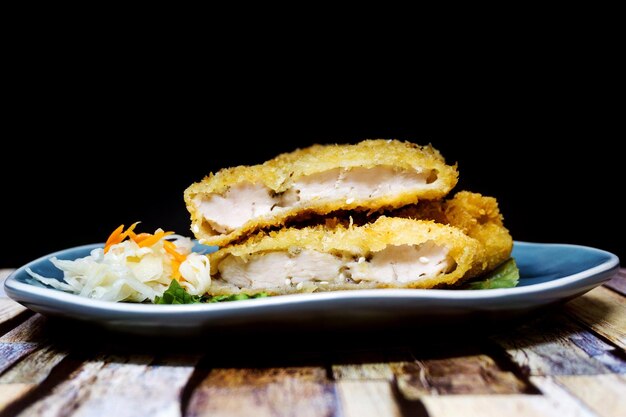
(234, 297)
(176, 294)
(504, 276)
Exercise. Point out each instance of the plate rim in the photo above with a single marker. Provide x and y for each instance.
(13, 288)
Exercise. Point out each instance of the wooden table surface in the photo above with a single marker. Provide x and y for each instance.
(566, 361)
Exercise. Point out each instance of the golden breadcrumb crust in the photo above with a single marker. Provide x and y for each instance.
(477, 216)
(280, 173)
(359, 241)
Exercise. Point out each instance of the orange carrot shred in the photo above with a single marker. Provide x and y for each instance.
(128, 231)
(146, 239)
(141, 236)
(154, 239)
(114, 238)
(176, 270)
(115, 234)
(178, 258)
(171, 249)
(119, 235)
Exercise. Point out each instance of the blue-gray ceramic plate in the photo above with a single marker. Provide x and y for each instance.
(550, 273)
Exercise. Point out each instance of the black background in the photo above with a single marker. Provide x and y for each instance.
(78, 169)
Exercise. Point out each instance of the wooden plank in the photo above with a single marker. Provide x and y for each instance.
(554, 345)
(412, 381)
(34, 368)
(31, 331)
(367, 398)
(11, 313)
(13, 352)
(473, 374)
(604, 311)
(604, 394)
(366, 371)
(596, 348)
(618, 282)
(560, 398)
(462, 374)
(368, 365)
(298, 391)
(498, 406)
(118, 386)
(9, 309)
(10, 393)
(27, 374)
(68, 395)
(4, 273)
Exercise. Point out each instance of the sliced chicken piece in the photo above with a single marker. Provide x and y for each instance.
(368, 176)
(389, 253)
(478, 217)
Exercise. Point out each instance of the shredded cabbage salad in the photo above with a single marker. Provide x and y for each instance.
(134, 267)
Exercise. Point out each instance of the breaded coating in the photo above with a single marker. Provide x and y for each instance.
(368, 176)
(389, 253)
(480, 218)
(477, 216)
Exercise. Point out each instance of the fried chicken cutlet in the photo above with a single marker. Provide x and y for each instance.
(371, 175)
(475, 215)
(388, 253)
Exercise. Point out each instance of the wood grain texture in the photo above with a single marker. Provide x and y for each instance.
(295, 391)
(554, 345)
(34, 368)
(298, 391)
(604, 394)
(474, 374)
(4, 273)
(369, 365)
(13, 352)
(68, 395)
(601, 351)
(11, 313)
(28, 373)
(31, 331)
(500, 405)
(560, 398)
(10, 393)
(604, 311)
(365, 371)
(367, 399)
(618, 282)
(9, 309)
(117, 386)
